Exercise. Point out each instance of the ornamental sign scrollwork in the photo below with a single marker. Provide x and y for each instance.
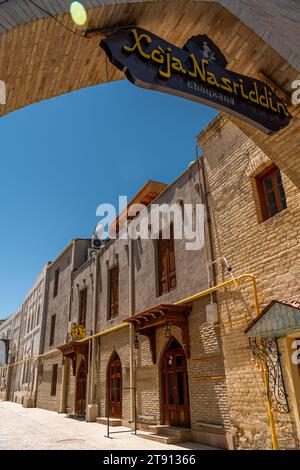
(266, 351)
(78, 332)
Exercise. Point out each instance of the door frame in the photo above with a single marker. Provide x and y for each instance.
(186, 407)
(82, 364)
(109, 388)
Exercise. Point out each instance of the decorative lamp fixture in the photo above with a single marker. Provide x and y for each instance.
(136, 343)
(78, 13)
(168, 330)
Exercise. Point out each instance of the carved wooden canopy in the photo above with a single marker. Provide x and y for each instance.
(145, 323)
(72, 349)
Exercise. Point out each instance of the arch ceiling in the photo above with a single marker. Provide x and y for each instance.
(40, 59)
(277, 22)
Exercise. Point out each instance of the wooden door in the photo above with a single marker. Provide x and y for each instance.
(115, 387)
(176, 409)
(80, 397)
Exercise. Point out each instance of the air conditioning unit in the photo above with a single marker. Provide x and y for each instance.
(96, 243)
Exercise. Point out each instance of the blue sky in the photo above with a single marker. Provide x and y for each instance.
(63, 157)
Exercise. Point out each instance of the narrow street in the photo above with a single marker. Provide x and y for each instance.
(36, 429)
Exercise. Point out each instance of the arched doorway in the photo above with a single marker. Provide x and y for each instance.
(114, 375)
(80, 395)
(176, 408)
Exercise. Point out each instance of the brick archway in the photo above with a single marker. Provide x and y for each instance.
(40, 59)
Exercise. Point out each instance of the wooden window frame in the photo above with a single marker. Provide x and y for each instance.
(56, 282)
(52, 330)
(83, 306)
(54, 380)
(165, 246)
(113, 303)
(262, 195)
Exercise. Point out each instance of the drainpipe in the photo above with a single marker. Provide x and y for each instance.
(131, 328)
(95, 317)
(236, 281)
(43, 327)
(92, 408)
(65, 363)
(44, 311)
(207, 229)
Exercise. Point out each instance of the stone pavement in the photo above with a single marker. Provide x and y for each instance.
(33, 428)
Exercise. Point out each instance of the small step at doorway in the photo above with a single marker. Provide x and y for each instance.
(167, 434)
(112, 421)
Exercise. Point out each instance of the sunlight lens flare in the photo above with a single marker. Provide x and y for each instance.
(78, 13)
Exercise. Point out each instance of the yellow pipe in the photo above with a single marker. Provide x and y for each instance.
(275, 444)
(237, 281)
(105, 332)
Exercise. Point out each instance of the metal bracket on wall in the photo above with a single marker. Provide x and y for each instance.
(266, 350)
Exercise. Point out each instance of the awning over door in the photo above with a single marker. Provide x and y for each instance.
(72, 349)
(146, 323)
(279, 318)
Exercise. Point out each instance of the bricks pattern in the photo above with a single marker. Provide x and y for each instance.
(277, 24)
(40, 59)
(44, 398)
(269, 250)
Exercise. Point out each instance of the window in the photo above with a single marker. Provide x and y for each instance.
(56, 282)
(54, 379)
(271, 192)
(166, 263)
(38, 315)
(113, 292)
(82, 306)
(52, 330)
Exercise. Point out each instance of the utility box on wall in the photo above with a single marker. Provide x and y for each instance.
(212, 313)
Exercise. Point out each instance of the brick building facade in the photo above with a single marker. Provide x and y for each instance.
(164, 344)
(83, 378)
(265, 244)
(10, 333)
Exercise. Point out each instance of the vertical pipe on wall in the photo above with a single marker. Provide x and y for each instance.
(92, 407)
(208, 229)
(131, 327)
(95, 317)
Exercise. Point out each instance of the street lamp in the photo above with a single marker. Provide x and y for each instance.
(168, 330)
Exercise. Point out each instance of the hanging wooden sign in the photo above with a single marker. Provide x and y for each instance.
(198, 72)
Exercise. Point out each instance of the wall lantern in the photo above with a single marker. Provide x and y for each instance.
(78, 13)
(168, 330)
(136, 343)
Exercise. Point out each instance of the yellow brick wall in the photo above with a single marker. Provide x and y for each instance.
(44, 398)
(206, 376)
(269, 250)
(117, 341)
